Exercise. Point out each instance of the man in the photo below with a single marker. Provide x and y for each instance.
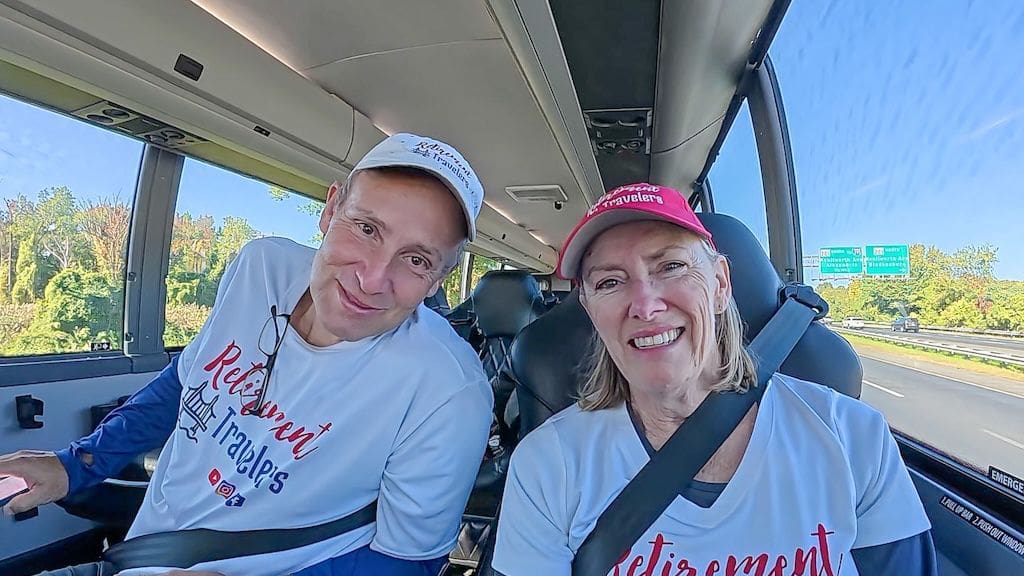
(318, 384)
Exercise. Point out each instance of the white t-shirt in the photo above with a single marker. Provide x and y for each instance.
(821, 475)
(402, 417)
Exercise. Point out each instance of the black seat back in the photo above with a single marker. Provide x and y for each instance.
(821, 356)
(505, 301)
(463, 320)
(546, 359)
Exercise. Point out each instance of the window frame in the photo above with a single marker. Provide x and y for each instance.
(156, 186)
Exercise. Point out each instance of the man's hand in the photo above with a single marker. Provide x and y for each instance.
(46, 478)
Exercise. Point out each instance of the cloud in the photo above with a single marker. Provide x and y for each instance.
(989, 126)
(865, 188)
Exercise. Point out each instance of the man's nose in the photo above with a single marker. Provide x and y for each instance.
(645, 300)
(373, 275)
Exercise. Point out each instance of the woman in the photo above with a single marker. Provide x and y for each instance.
(810, 482)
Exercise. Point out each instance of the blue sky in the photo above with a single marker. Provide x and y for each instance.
(906, 121)
(40, 149)
(907, 126)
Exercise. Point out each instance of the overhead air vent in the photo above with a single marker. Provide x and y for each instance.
(626, 131)
(542, 193)
(155, 132)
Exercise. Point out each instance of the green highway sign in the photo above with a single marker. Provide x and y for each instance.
(841, 260)
(887, 260)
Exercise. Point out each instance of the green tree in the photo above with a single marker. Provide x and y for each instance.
(59, 236)
(78, 307)
(278, 194)
(231, 237)
(26, 274)
(313, 208)
(105, 225)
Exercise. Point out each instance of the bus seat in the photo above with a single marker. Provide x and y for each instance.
(505, 302)
(438, 302)
(463, 320)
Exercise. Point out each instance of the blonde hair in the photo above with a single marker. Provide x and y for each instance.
(604, 386)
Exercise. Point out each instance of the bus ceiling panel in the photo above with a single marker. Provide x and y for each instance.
(244, 97)
(703, 54)
(612, 50)
(474, 96)
(497, 234)
(314, 33)
(679, 166)
(532, 36)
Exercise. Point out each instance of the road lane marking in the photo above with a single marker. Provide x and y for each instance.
(1009, 441)
(884, 389)
(937, 375)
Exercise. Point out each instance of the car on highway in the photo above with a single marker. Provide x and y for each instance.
(906, 324)
(853, 323)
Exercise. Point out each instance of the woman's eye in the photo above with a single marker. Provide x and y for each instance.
(366, 229)
(674, 266)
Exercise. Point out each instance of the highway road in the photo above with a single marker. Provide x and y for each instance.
(968, 415)
(977, 342)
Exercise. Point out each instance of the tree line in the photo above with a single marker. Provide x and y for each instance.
(62, 266)
(957, 290)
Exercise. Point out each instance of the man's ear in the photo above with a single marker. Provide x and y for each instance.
(330, 205)
(434, 287)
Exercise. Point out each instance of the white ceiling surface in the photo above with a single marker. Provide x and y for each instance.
(703, 50)
(439, 68)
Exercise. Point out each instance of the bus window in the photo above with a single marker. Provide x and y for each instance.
(910, 202)
(218, 212)
(66, 189)
(451, 285)
(736, 178)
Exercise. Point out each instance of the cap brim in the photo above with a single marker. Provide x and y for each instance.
(580, 239)
(383, 163)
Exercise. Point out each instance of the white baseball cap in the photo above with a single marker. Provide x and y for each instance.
(437, 158)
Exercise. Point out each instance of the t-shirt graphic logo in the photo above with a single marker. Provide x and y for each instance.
(226, 490)
(235, 501)
(214, 476)
(197, 409)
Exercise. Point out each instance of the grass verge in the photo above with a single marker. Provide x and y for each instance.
(980, 365)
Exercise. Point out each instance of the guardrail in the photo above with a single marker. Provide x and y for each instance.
(1010, 359)
(1001, 333)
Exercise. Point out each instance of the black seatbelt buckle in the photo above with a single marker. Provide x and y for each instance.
(805, 295)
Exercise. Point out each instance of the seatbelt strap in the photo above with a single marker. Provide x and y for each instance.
(672, 468)
(186, 548)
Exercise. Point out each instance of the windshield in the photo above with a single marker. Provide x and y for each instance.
(907, 131)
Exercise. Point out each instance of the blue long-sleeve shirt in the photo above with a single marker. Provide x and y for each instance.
(146, 421)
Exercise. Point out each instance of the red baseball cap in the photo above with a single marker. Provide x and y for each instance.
(630, 203)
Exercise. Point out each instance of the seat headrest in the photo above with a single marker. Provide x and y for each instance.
(505, 301)
(821, 356)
